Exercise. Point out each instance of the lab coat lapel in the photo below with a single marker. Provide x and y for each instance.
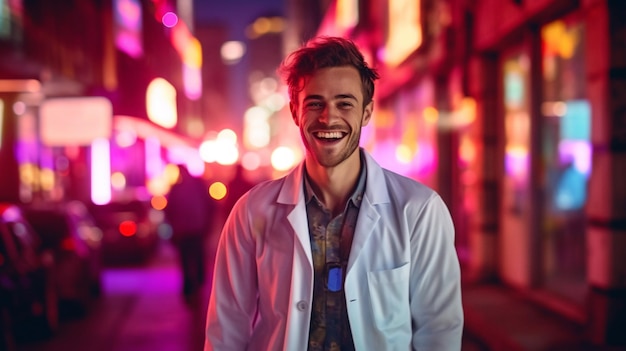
(292, 193)
(365, 225)
(367, 222)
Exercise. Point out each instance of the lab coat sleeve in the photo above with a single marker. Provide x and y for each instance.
(435, 283)
(233, 299)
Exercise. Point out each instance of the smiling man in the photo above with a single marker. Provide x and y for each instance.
(340, 254)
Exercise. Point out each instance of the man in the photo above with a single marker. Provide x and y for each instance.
(189, 211)
(340, 254)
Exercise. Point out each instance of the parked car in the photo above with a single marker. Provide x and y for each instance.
(69, 231)
(28, 298)
(130, 231)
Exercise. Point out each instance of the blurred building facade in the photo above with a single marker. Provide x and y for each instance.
(112, 50)
(513, 110)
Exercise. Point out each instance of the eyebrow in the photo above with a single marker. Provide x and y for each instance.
(336, 97)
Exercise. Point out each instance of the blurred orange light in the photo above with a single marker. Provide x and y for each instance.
(404, 31)
(158, 202)
(467, 150)
(431, 115)
(128, 228)
(347, 13)
(118, 180)
(192, 53)
(217, 190)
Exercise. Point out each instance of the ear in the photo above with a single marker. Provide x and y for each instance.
(294, 113)
(367, 113)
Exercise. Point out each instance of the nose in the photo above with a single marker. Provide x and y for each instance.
(327, 114)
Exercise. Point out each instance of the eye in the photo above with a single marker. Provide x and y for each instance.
(315, 105)
(345, 105)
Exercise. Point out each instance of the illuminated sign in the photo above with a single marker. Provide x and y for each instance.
(128, 27)
(75, 121)
(404, 31)
(161, 103)
(347, 13)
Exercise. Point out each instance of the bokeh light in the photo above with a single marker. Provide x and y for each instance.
(283, 158)
(217, 190)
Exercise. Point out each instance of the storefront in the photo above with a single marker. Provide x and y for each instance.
(513, 111)
(544, 125)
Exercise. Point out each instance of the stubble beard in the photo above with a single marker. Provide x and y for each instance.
(327, 158)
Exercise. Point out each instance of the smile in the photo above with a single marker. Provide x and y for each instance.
(329, 135)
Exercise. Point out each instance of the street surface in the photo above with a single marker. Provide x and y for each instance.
(142, 309)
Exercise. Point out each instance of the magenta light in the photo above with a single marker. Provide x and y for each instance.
(154, 162)
(128, 27)
(192, 80)
(169, 19)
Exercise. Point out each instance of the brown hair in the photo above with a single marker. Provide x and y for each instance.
(324, 52)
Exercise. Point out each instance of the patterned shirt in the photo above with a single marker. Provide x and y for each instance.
(330, 329)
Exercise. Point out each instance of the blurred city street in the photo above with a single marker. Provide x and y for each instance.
(512, 111)
(141, 308)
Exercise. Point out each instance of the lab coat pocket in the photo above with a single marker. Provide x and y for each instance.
(389, 293)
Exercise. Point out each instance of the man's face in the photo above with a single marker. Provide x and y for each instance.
(330, 114)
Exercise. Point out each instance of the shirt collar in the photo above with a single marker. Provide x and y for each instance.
(355, 198)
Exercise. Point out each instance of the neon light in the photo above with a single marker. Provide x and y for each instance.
(347, 13)
(100, 171)
(128, 27)
(161, 103)
(405, 32)
(192, 81)
(283, 158)
(1, 120)
(154, 164)
(169, 19)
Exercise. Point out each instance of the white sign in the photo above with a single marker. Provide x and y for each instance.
(75, 121)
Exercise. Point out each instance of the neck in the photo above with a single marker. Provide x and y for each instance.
(334, 185)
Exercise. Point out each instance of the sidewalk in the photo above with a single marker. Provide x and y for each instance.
(160, 319)
(503, 321)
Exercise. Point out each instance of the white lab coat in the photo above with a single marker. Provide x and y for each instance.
(402, 283)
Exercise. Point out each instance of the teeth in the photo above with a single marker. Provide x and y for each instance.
(328, 135)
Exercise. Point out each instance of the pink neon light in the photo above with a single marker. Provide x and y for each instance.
(169, 19)
(192, 80)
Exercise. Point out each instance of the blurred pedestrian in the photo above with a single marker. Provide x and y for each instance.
(340, 254)
(237, 186)
(189, 212)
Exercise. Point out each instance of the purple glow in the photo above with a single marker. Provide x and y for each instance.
(578, 152)
(424, 163)
(154, 163)
(516, 164)
(128, 27)
(188, 156)
(426, 159)
(11, 214)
